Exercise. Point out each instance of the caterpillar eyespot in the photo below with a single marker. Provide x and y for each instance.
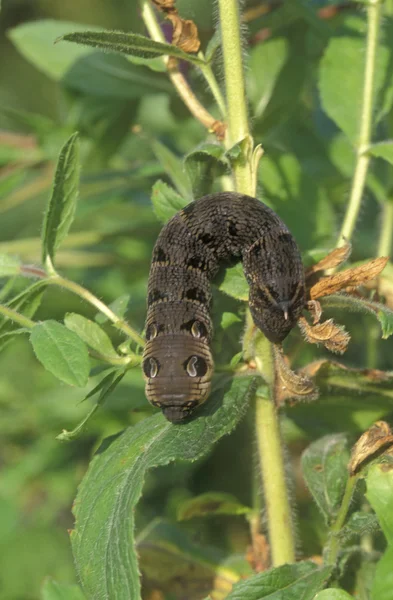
(212, 231)
(196, 366)
(151, 367)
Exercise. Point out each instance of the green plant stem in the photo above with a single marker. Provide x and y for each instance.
(177, 78)
(385, 238)
(334, 543)
(362, 156)
(98, 304)
(212, 82)
(9, 313)
(238, 128)
(271, 459)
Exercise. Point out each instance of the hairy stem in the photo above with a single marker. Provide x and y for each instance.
(362, 157)
(238, 127)
(98, 304)
(271, 457)
(177, 78)
(12, 314)
(334, 543)
(385, 238)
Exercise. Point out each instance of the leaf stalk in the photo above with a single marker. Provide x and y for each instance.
(362, 156)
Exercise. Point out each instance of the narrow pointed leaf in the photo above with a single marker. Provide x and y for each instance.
(383, 150)
(203, 165)
(325, 469)
(62, 204)
(211, 503)
(52, 590)
(288, 582)
(166, 201)
(91, 334)
(333, 594)
(354, 303)
(380, 495)
(107, 563)
(129, 43)
(61, 352)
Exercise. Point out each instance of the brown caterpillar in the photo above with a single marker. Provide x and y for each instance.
(216, 229)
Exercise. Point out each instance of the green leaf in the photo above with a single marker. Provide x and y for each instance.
(52, 590)
(61, 208)
(266, 63)
(107, 563)
(211, 503)
(354, 303)
(382, 150)
(108, 75)
(333, 594)
(234, 283)
(26, 303)
(288, 582)
(129, 43)
(118, 306)
(173, 167)
(9, 265)
(106, 386)
(91, 334)
(166, 201)
(325, 469)
(61, 352)
(358, 524)
(168, 555)
(360, 398)
(383, 579)
(35, 40)
(344, 62)
(203, 165)
(379, 493)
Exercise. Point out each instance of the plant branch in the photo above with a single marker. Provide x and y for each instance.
(98, 304)
(271, 458)
(334, 542)
(177, 78)
(208, 74)
(238, 127)
(385, 238)
(12, 314)
(362, 156)
(83, 293)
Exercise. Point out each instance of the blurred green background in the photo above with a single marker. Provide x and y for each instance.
(133, 127)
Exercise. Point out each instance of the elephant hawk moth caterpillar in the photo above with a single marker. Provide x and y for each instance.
(208, 233)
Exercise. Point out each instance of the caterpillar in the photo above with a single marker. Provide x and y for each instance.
(214, 230)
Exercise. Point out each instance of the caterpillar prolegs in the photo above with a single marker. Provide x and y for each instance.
(212, 231)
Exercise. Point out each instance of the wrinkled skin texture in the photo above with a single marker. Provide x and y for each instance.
(217, 229)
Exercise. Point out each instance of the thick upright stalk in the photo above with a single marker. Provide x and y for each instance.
(386, 235)
(271, 457)
(362, 158)
(238, 128)
(267, 423)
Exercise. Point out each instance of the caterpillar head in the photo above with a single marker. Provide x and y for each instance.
(275, 313)
(178, 371)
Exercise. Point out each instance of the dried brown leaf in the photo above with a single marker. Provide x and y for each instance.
(351, 278)
(332, 336)
(315, 309)
(291, 385)
(185, 32)
(258, 555)
(378, 437)
(334, 259)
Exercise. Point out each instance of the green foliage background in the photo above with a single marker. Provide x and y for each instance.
(134, 131)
